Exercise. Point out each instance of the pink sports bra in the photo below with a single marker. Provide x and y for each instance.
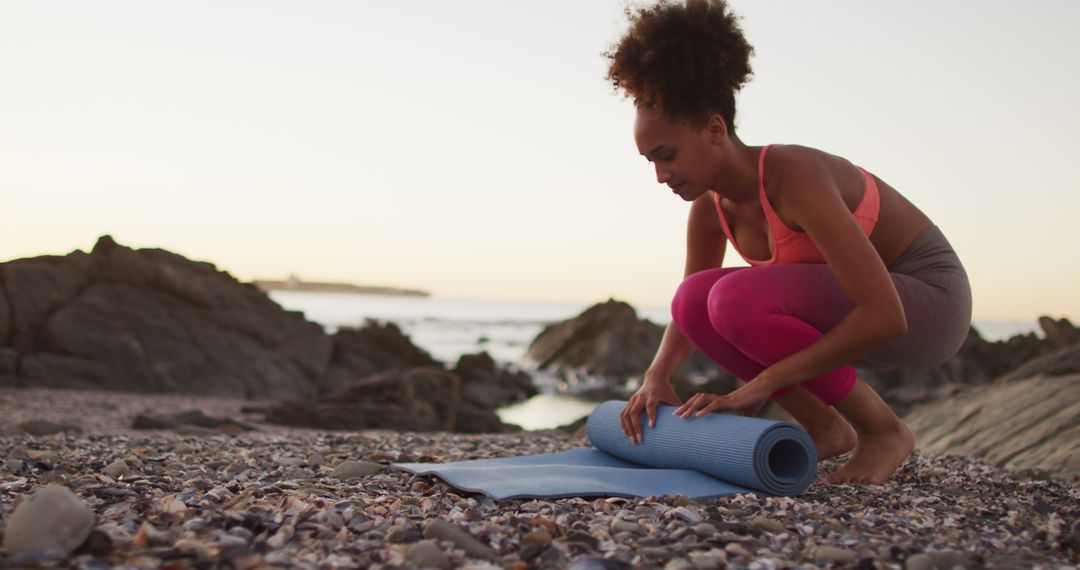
(790, 246)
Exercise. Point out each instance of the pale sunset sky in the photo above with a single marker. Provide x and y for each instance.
(474, 149)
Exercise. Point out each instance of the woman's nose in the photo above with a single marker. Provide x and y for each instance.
(662, 175)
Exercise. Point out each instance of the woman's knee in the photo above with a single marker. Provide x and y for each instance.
(690, 304)
(736, 299)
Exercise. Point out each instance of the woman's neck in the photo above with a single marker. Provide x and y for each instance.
(738, 180)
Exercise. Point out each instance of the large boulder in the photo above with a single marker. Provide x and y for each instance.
(1061, 362)
(376, 347)
(596, 352)
(489, 386)
(1025, 422)
(978, 362)
(416, 399)
(1059, 333)
(152, 321)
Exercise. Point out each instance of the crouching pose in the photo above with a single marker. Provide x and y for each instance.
(844, 271)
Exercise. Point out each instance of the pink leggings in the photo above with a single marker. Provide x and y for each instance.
(746, 319)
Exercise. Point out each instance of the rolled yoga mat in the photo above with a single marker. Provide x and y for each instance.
(699, 457)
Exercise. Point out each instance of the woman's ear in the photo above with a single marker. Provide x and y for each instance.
(717, 128)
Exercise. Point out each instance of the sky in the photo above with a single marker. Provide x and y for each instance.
(473, 149)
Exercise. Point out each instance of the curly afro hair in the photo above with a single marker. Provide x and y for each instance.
(684, 60)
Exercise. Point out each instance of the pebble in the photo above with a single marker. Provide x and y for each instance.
(116, 469)
(687, 515)
(932, 509)
(530, 551)
(427, 553)
(679, 564)
(767, 525)
(395, 535)
(45, 427)
(834, 554)
(709, 560)
(919, 562)
(619, 525)
(354, 469)
(540, 537)
(53, 518)
(705, 530)
(735, 549)
(595, 563)
(442, 530)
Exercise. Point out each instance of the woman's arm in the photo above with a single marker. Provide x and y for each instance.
(705, 247)
(811, 199)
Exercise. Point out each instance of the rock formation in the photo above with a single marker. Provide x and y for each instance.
(152, 321)
(609, 342)
(415, 399)
(978, 362)
(1027, 419)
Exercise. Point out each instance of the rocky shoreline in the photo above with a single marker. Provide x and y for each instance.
(225, 480)
(286, 497)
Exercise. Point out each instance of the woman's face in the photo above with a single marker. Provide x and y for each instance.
(684, 156)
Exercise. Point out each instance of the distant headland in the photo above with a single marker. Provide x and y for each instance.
(294, 283)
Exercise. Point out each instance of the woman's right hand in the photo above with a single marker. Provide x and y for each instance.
(653, 392)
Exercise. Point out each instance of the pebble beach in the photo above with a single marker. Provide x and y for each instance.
(289, 498)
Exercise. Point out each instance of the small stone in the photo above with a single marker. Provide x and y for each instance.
(530, 551)
(13, 465)
(53, 518)
(442, 530)
(654, 553)
(834, 554)
(296, 474)
(704, 530)
(736, 549)
(290, 461)
(949, 559)
(116, 469)
(45, 427)
(919, 562)
(583, 538)
(619, 525)
(426, 553)
(396, 534)
(540, 537)
(709, 560)
(355, 469)
(679, 564)
(767, 524)
(687, 515)
(596, 563)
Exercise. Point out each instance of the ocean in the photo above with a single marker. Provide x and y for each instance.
(448, 328)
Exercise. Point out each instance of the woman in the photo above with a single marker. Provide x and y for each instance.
(844, 270)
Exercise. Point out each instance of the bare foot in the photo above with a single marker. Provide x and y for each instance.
(835, 440)
(876, 457)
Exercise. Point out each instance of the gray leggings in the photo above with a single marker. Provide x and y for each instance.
(936, 295)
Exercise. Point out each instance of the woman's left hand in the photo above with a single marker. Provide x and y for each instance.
(748, 399)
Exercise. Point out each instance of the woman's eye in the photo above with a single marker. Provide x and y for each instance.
(668, 157)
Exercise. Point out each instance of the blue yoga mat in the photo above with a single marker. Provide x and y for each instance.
(700, 457)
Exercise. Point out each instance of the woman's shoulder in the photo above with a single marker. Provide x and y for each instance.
(792, 163)
(795, 155)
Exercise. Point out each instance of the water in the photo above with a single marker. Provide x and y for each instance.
(449, 328)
